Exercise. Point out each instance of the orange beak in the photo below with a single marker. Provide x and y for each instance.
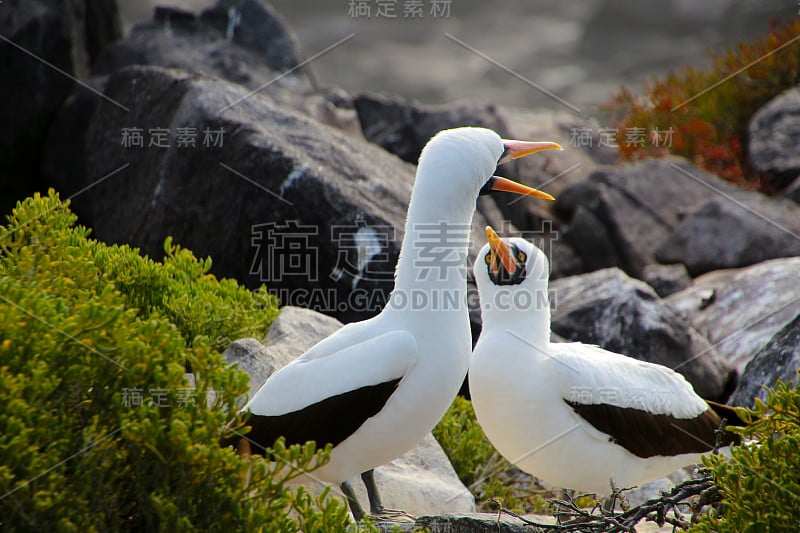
(501, 251)
(496, 183)
(517, 149)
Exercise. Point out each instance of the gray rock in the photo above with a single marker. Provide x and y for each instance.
(491, 523)
(651, 490)
(590, 239)
(774, 135)
(564, 261)
(250, 356)
(65, 33)
(255, 25)
(792, 192)
(244, 42)
(638, 206)
(740, 310)
(779, 359)
(666, 279)
(737, 231)
(63, 162)
(624, 315)
(470, 523)
(292, 333)
(403, 127)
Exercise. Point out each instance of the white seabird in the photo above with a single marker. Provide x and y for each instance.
(573, 414)
(375, 388)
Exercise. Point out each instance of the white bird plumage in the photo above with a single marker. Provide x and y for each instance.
(542, 404)
(408, 362)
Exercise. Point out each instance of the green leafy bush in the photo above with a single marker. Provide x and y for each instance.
(703, 114)
(99, 430)
(760, 483)
(481, 468)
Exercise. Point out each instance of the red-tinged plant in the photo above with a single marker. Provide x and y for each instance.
(707, 110)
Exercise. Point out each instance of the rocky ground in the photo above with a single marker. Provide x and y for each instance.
(204, 125)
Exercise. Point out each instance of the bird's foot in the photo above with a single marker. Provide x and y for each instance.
(392, 515)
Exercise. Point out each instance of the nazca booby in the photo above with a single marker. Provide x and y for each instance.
(375, 388)
(574, 415)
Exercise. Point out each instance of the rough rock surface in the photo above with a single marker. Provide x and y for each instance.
(779, 359)
(420, 482)
(244, 42)
(626, 316)
(564, 261)
(491, 523)
(651, 490)
(740, 310)
(292, 333)
(403, 128)
(666, 279)
(637, 206)
(732, 232)
(792, 192)
(65, 33)
(454, 521)
(64, 158)
(774, 133)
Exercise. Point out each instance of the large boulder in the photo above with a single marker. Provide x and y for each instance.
(245, 42)
(420, 482)
(626, 213)
(624, 315)
(740, 310)
(792, 192)
(403, 127)
(293, 332)
(461, 522)
(46, 45)
(774, 135)
(779, 359)
(666, 279)
(734, 231)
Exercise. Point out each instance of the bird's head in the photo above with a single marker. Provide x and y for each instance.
(511, 275)
(466, 158)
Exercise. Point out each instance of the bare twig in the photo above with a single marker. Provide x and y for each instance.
(573, 519)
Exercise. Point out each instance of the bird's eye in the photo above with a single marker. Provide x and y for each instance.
(521, 256)
(488, 258)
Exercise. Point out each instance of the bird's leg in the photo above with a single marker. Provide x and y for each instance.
(375, 504)
(376, 507)
(352, 501)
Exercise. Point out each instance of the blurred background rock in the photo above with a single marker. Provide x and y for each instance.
(580, 51)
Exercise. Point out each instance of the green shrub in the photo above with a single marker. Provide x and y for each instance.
(708, 110)
(99, 430)
(480, 467)
(760, 484)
